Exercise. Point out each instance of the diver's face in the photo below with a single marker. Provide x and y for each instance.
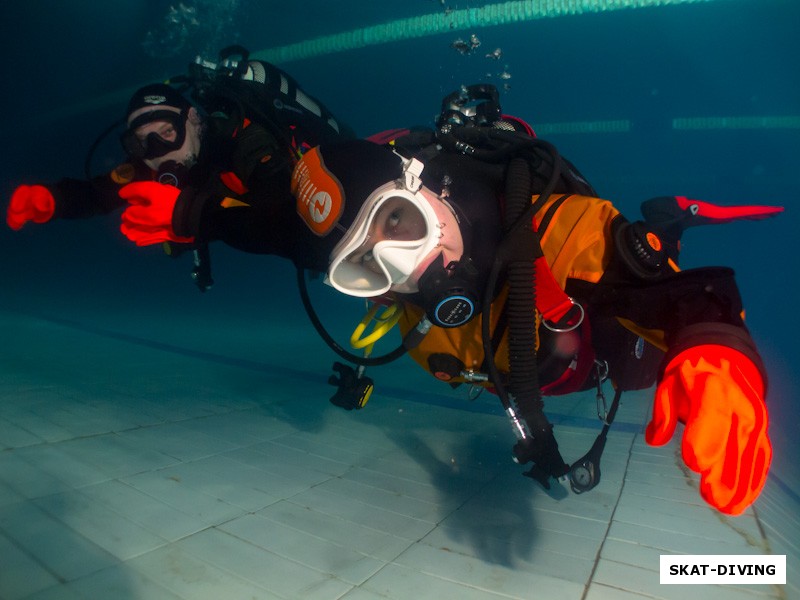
(397, 219)
(185, 155)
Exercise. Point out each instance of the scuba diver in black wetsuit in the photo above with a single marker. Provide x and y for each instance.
(508, 272)
(230, 147)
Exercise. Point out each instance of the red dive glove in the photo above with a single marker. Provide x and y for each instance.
(719, 394)
(30, 203)
(148, 219)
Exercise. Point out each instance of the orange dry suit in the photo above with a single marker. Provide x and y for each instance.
(649, 323)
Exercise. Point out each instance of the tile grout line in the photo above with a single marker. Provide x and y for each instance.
(766, 546)
(413, 543)
(24, 551)
(610, 520)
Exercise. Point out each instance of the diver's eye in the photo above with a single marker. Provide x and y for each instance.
(393, 221)
(169, 133)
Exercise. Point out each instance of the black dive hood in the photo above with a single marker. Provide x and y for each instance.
(451, 293)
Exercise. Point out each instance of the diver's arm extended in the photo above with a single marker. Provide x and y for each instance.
(714, 383)
(66, 199)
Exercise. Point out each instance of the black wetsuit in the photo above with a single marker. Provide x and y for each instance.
(239, 190)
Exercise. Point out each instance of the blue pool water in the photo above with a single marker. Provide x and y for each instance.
(700, 99)
(670, 74)
(697, 98)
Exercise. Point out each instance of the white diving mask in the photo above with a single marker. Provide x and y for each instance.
(393, 232)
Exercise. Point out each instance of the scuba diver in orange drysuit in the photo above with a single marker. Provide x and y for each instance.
(510, 273)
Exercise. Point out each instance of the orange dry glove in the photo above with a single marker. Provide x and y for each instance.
(719, 394)
(148, 219)
(30, 203)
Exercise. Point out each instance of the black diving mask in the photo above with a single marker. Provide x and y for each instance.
(156, 143)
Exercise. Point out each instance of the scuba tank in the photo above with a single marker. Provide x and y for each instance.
(238, 87)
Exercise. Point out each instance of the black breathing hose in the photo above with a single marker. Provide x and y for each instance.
(408, 342)
(518, 252)
(524, 373)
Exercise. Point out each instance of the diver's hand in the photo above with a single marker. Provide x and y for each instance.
(719, 394)
(30, 203)
(148, 219)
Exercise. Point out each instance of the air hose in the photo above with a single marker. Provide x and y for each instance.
(524, 374)
(536, 442)
(411, 339)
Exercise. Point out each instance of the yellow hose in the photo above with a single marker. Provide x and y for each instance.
(382, 324)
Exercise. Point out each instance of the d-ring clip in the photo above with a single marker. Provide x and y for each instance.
(570, 321)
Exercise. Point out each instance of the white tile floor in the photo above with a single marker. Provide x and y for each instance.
(133, 470)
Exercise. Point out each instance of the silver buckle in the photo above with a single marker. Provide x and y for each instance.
(577, 324)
